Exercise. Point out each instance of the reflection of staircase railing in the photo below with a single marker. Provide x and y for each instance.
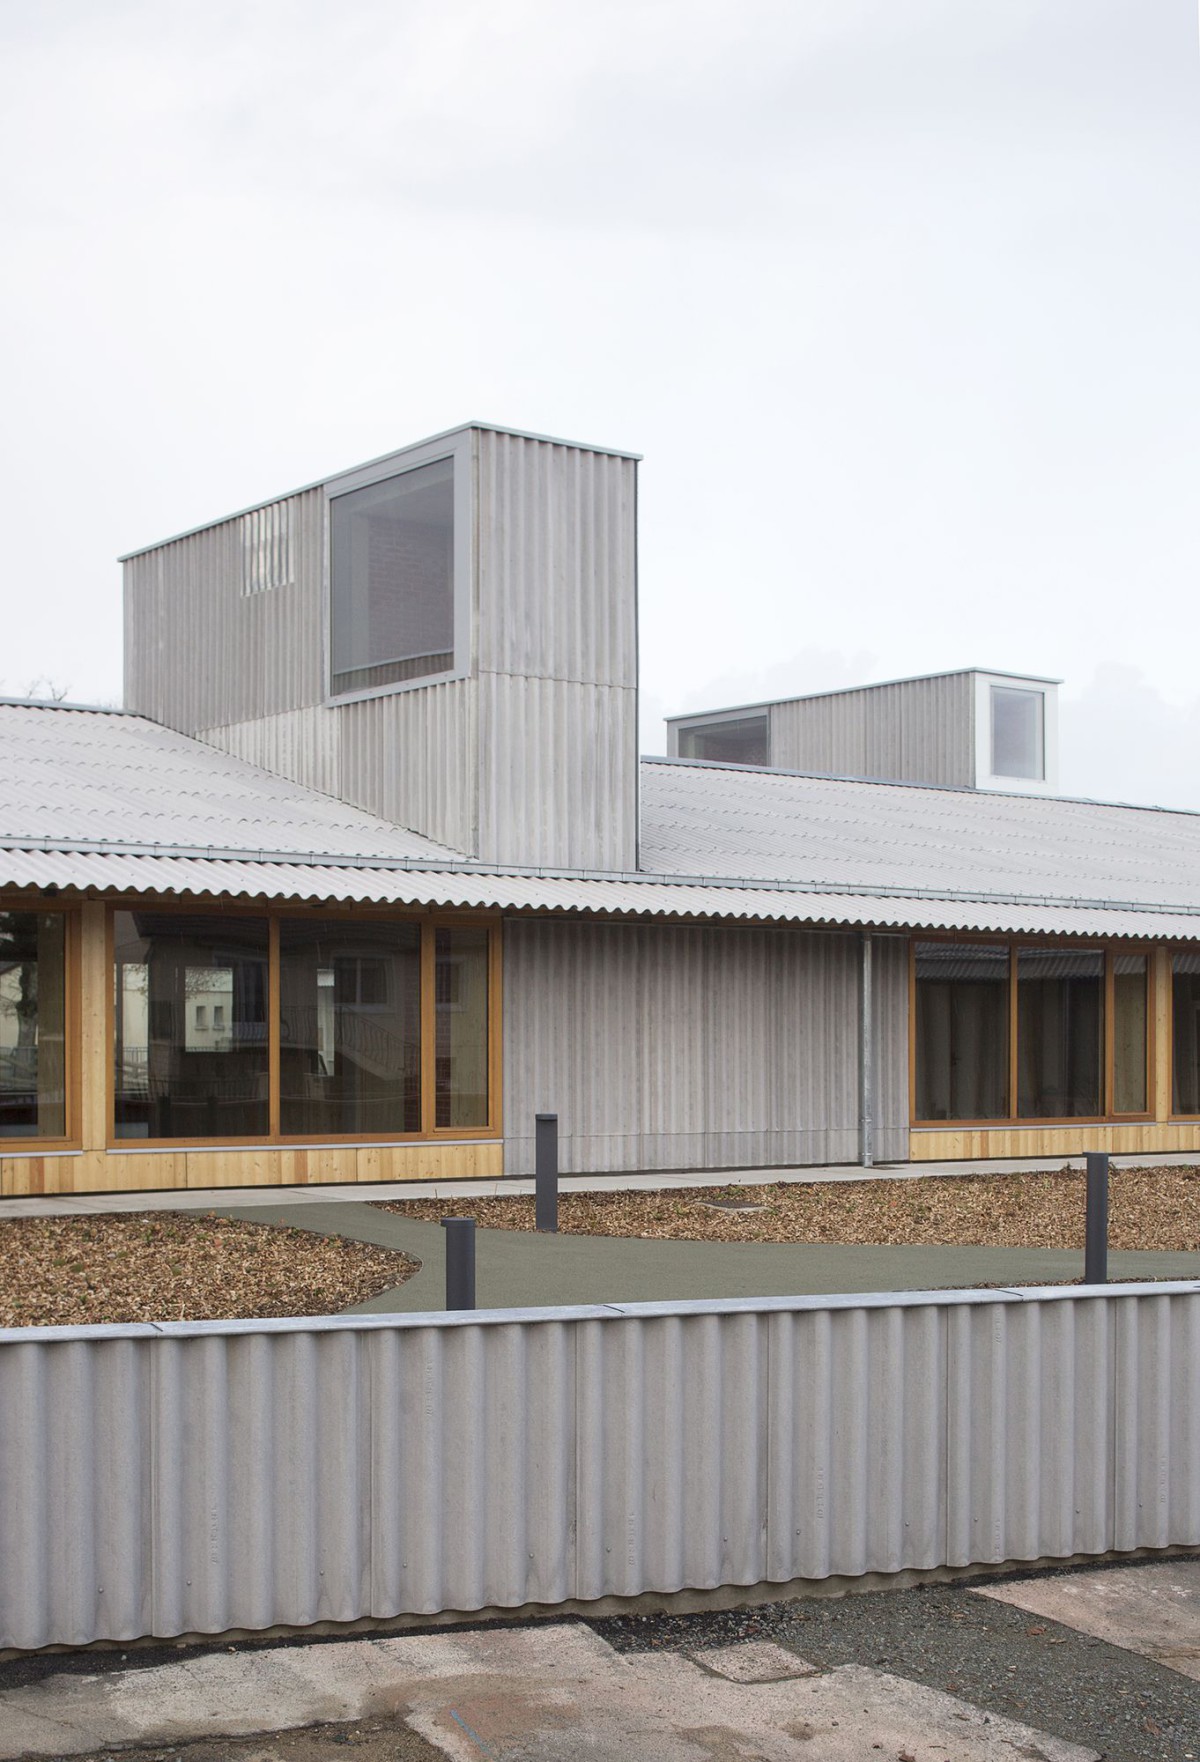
(364, 1039)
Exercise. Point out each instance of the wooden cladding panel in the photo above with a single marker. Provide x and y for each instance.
(269, 1166)
(977, 1143)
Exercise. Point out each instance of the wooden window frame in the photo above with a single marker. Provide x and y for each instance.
(429, 922)
(72, 1028)
(1013, 944)
(1171, 949)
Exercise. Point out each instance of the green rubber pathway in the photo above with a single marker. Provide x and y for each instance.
(517, 1269)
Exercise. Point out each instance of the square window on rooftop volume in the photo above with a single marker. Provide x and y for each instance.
(392, 579)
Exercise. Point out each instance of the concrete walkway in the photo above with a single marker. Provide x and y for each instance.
(644, 1181)
(548, 1693)
(518, 1268)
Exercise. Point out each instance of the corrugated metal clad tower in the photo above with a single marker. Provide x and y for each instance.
(446, 637)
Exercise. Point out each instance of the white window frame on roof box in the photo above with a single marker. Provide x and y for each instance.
(985, 777)
(458, 448)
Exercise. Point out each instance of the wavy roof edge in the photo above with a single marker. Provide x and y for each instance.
(115, 873)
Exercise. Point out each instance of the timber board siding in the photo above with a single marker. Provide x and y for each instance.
(980, 1143)
(115, 1171)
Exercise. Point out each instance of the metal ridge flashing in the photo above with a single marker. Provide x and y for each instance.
(804, 697)
(332, 477)
(1082, 801)
(971, 1296)
(50, 703)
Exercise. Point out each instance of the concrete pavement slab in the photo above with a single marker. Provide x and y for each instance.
(753, 1661)
(1153, 1610)
(535, 1694)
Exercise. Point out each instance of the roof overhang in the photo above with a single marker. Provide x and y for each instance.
(114, 873)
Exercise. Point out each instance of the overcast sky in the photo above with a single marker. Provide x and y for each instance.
(899, 298)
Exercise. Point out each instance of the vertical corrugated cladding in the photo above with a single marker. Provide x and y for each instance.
(681, 1046)
(201, 651)
(856, 1443)
(892, 1052)
(304, 745)
(158, 1481)
(411, 757)
(556, 651)
(913, 731)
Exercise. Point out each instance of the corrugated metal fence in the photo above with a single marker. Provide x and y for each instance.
(201, 1477)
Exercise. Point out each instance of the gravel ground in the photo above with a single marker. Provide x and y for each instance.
(1001, 1658)
(1156, 1208)
(166, 1266)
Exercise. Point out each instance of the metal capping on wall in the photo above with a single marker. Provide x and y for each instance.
(197, 1478)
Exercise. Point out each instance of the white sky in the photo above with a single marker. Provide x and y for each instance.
(898, 297)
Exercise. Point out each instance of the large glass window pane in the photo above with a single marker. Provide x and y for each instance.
(962, 1031)
(1185, 1018)
(742, 741)
(1129, 1033)
(1060, 1033)
(190, 996)
(461, 1002)
(33, 1051)
(393, 579)
(349, 1028)
(1018, 738)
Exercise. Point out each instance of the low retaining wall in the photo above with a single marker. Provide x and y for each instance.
(195, 1478)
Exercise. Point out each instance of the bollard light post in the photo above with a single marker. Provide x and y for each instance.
(546, 1172)
(1095, 1251)
(460, 1262)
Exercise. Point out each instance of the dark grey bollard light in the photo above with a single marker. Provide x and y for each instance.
(546, 1172)
(460, 1262)
(1095, 1252)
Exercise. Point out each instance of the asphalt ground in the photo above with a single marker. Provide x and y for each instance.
(1000, 1658)
(520, 1269)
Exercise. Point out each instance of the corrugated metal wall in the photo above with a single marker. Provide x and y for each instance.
(532, 759)
(200, 652)
(915, 731)
(689, 1046)
(197, 1478)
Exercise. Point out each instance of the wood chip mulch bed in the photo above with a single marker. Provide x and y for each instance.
(162, 1266)
(1154, 1208)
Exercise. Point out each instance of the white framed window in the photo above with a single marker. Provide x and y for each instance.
(1016, 734)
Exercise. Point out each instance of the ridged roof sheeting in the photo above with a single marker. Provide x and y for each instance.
(91, 776)
(116, 804)
(702, 819)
